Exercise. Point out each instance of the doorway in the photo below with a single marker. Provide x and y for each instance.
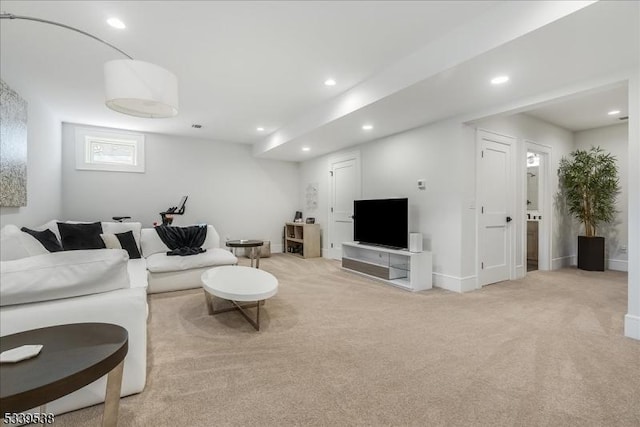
(533, 210)
(537, 195)
(345, 184)
(496, 207)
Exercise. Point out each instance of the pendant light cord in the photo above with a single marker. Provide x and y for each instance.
(29, 18)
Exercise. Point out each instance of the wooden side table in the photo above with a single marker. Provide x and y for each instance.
(72, 356)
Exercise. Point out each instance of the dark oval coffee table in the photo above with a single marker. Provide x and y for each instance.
(253, 244)
(72, 356)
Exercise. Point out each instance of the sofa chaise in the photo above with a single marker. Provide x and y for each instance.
(40, 289)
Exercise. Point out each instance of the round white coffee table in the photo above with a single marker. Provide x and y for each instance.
(239, 284)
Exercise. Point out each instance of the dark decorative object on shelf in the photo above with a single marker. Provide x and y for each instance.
(589, 183)
(310, 220)
(298, 217)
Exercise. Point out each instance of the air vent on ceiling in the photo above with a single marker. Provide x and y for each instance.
(623, 118)
(196, 126)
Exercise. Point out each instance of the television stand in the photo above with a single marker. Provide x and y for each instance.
(397, 267)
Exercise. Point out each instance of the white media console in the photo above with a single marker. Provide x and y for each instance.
(407, 270)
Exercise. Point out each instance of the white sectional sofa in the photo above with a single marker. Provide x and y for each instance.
(40, 289)
(100, 285)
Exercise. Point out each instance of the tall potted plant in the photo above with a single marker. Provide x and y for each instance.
(589, 179)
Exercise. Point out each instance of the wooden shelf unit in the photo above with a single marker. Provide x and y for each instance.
(303, 239)
(401, 268)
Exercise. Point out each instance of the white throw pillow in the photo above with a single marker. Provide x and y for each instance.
(16, 244)
(62, 275)
(123, 227)
(51, 225)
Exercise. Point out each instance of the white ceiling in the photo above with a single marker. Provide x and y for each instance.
(587, 110)
(246, 64)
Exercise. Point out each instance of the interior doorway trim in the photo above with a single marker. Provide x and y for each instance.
(334, 251)
(546, 224)
(511, 142)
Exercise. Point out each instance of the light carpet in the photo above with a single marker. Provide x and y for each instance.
(339, 349)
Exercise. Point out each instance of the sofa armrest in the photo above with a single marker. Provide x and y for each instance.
(62, 275)
(124, 307)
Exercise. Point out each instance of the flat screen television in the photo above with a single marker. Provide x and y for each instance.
(383, 222)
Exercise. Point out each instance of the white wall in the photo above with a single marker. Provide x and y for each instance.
(632, 319)
(391, 166)
(615, 140)
(561, 141)
(242, 196)
(443, 153)
(43, 167)
(316, 171)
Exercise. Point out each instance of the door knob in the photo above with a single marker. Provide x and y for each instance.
(508, 219)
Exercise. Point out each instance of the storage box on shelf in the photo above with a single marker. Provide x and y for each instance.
(302, 239)
(407, 270)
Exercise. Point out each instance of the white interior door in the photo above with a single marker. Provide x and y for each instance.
(496, 208)
(345, 188)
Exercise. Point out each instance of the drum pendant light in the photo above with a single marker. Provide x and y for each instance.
(132, 87)
(141, 89)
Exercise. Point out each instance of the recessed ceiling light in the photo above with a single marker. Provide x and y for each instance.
(116, 23)
(306, 148)
(613, 112)
(329, 82)
(499, 80)
(367, 127)
(260, 129)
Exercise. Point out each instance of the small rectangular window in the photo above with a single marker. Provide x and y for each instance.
(109, 151)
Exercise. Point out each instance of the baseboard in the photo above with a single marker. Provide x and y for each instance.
(632, 326)
(332, 253)
(567, 261)
(561, 262)
(618, 265)
(469, 283)
(453, 283)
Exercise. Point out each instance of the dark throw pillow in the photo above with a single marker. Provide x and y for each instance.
(46, 237)
(124, 241)
(81, 236)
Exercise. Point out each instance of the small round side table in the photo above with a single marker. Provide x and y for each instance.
(253, 244)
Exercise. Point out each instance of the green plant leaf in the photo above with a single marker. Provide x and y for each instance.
(590, 185)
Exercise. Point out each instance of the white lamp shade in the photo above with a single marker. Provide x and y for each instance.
(140, 89)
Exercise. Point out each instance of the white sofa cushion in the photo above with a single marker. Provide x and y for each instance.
(162, 263)
(62, 275)
(152, 244)
(138, 274)
(16, 244)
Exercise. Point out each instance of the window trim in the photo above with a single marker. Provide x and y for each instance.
(84, 136)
